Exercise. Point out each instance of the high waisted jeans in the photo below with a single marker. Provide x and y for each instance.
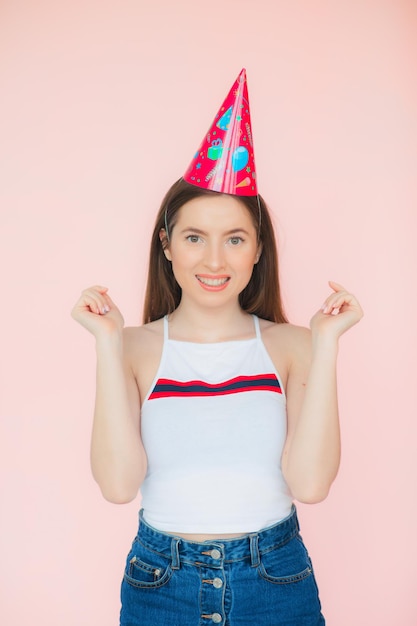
(260, 579)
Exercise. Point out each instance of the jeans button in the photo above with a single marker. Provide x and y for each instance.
(217, 583)
(216, 618)
(215, 554)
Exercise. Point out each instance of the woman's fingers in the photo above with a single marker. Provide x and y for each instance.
(96, 311)
(340, 311)
(92, 300)
(337, 300)
(96, 299)
(336, 286)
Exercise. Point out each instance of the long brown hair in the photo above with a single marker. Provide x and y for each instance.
(261, 295)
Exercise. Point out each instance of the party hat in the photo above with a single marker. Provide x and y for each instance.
(225, 161)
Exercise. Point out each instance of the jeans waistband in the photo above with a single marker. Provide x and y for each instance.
(215, 553)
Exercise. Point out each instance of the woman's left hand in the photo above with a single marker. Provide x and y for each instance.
(340, 311)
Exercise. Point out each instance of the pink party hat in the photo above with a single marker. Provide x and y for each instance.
(225, 161)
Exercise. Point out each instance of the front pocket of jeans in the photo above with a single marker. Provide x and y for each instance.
(287, 564)
(145, 575)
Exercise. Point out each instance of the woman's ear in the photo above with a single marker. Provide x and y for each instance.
(258, 254)
(165, 243)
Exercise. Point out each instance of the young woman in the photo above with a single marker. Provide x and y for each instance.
(222, 413)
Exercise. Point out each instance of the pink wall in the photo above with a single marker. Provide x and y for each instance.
(102, 107)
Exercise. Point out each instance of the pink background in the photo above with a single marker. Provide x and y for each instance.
(103, 104)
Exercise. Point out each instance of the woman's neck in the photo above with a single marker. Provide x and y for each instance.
(187, 323)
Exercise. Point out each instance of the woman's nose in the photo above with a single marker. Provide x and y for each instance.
(214, 257)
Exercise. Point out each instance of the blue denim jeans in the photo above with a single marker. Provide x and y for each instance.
(261, 579)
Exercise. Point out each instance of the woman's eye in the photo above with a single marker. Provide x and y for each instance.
(235, 240)
(193, 238)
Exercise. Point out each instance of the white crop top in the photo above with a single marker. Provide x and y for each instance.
(214, 425)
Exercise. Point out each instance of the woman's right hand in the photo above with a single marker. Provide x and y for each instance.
(96, 311)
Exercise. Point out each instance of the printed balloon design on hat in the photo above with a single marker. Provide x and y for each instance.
(225, 160)
(240, 158)
(224, 121)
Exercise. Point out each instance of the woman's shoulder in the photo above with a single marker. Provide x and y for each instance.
(291, 342)
(286, 344)
(284, 332)
(145, 332)
(143, 348)
(145, 338)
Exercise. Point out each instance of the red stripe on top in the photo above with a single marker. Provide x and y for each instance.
(238, 379)
(166, 388)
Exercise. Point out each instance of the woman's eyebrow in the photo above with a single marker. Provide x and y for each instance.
(198, 231)
(194, 230)
(236, 230)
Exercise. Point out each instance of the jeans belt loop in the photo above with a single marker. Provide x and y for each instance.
(254, 550)
(175, 554)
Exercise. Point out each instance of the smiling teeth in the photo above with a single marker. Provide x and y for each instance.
(213, 282)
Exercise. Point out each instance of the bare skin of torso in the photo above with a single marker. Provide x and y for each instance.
(144, 352)
(201, 538)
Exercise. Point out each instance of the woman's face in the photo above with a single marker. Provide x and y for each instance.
(213, 248)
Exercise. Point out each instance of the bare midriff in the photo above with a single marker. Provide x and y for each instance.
(200, 538)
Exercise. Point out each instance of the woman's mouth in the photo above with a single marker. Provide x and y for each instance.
(213, 283)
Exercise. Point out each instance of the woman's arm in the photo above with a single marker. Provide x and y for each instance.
(311, 455)
(118, 459)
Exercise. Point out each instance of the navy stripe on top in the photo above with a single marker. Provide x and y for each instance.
(166, 388)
